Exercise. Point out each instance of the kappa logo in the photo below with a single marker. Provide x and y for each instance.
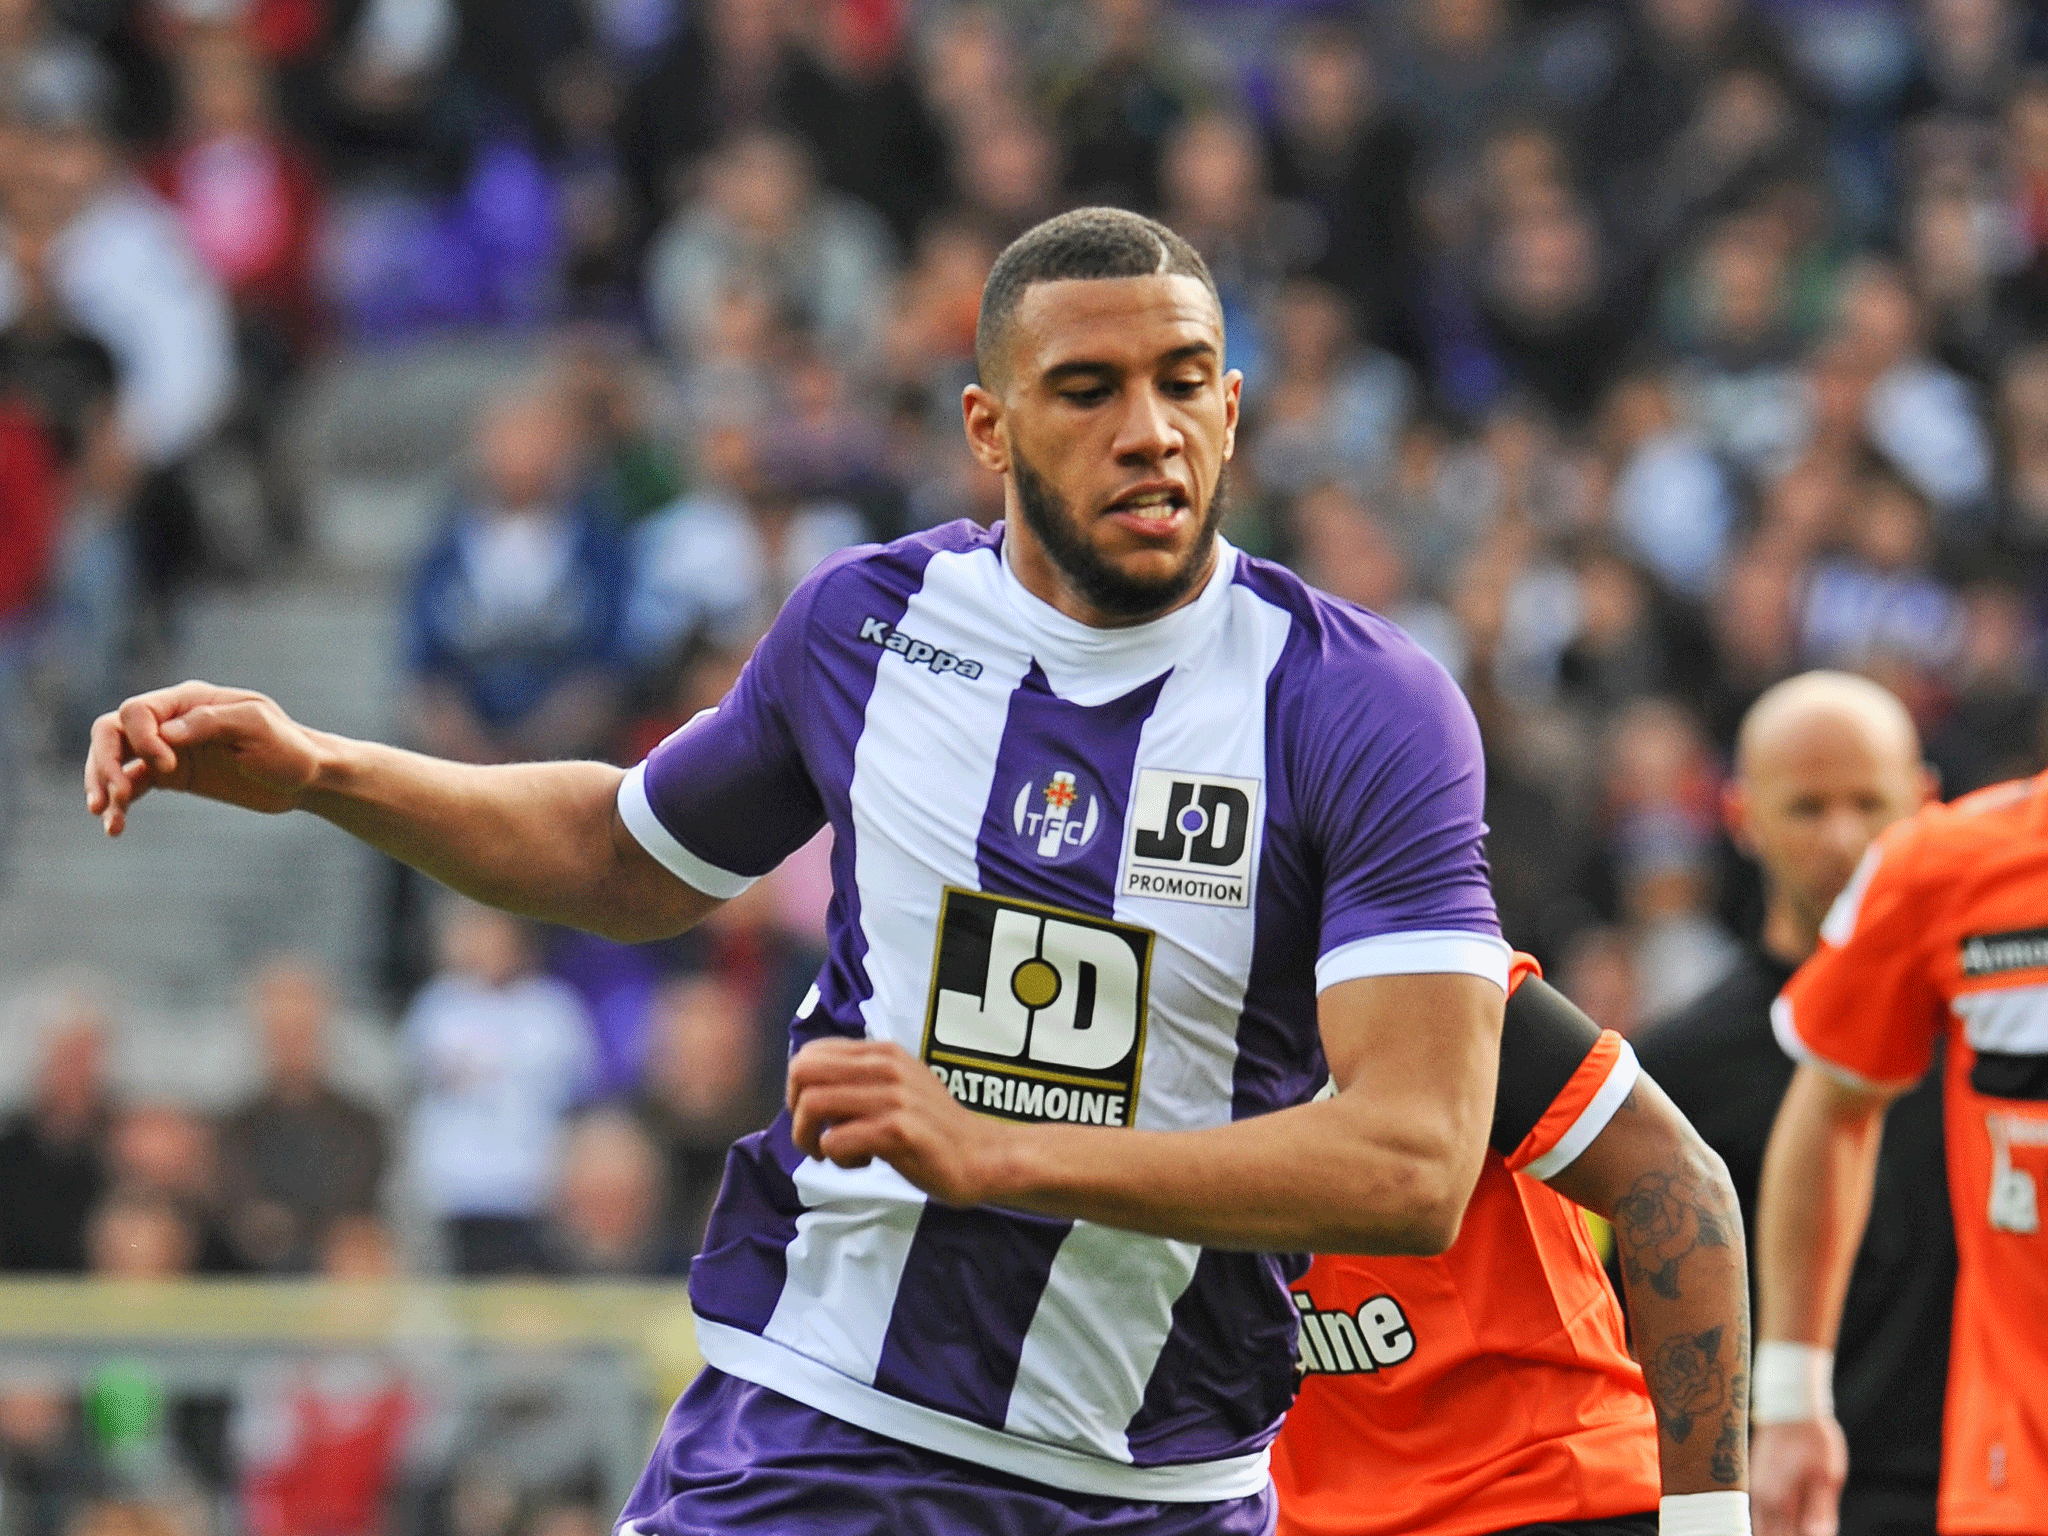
(1373, 1336)
(1193, 837)
(919, 653)
(1037, 1013)
(1058, 817)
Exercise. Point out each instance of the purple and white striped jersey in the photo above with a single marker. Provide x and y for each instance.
(1094, 875)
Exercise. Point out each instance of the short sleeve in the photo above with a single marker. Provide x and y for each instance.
(1865, 1007)
(1394, 788)
(729, 796)
(1562, 1078)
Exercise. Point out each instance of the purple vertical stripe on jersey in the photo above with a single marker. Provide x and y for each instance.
(1226, 1373)
(1045, 737)
(738, 1274)
(972, 1280)
(1239, 1310)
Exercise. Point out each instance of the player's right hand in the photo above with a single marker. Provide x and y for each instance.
(228, 744)
(1796, 1472)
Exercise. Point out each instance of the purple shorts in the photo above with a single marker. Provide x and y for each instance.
(737, 1457)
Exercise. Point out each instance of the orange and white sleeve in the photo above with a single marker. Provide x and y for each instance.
(1865, 1008)
(1562, 1077)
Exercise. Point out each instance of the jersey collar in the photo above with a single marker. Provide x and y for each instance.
(1092, 666)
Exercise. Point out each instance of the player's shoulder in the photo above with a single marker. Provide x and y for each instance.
(1939, 839)
(1335, 644)
(848, 581)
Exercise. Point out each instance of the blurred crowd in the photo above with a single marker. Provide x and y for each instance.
(1633, 354)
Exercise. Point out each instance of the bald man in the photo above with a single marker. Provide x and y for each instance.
(1825, 762)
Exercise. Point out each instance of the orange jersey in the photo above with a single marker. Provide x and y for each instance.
(1489, 1387)
(1944, 928)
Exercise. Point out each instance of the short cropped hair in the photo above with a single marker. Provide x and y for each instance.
(1086, 244)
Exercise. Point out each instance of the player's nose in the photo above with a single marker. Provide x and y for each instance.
(1146, 432)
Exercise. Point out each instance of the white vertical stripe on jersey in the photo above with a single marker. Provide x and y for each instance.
(918, 797)
(1211, 716)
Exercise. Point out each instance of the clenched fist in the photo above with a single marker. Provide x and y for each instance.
(226, 744)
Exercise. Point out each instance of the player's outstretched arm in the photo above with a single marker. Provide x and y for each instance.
(541, 839)
(1385, 1166)
(1812, 1205)
(1678, 1235)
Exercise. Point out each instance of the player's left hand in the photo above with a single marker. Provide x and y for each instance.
(856, 1100)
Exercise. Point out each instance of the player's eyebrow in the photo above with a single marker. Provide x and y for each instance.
(1078, 368)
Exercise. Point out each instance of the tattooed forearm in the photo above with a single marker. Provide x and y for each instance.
(1662, 1220)
(1732, 1444)
(1678, 1244)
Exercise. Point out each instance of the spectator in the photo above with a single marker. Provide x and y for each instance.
(1997, 728)
(1124, 73)
(498, 1053)
(1330, 408)
(1338, 149)
(608, 1216)
(165, 1154)
(248, 198)
(705, 1084)
(764, 219)
(1556, 318)
(718, 563)
(1918, 413)
(115, 257)
(516, 605)
(1734, 329)
(2023, 417)
(53, 1157)
(1213, 186)
(139, 1235)
(300, 1154)
(1670, 52)
(1458, 70)
(1344, 547)
(852, 97)
(47, 1463)
(1673, 505)
(28, 525)
(1006, 164)
(1661, 791)
(1878, 599)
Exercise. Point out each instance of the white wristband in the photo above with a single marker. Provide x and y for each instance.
(1792, 1383)
(1721, 1513)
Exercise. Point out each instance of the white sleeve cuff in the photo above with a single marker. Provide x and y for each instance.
(1792, 1045)
(699, 874)
(1621, 1077)
(1425, 952)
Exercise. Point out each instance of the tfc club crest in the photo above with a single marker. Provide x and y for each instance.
(1056, 815)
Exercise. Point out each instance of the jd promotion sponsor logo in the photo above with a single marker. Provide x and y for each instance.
(1192, 837)
(1037, 1013)
(1057, 815)
(919, 653)
(1369, 1338)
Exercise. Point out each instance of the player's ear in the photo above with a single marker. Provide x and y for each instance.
(1735, 815)
(981, 412)
(1233, 391)
(1930, 783)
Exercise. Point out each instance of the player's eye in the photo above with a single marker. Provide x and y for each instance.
(1182, 389)
(1092, 394)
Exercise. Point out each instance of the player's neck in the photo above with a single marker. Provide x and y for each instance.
(1787, 937)
(1040, 575)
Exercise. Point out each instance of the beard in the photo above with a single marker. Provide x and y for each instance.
(1095, 580)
